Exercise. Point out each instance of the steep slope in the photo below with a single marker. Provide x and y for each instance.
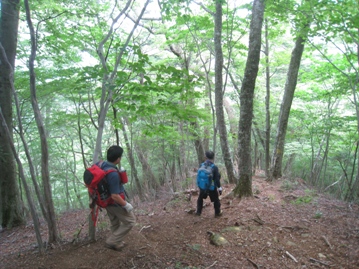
(285, 225)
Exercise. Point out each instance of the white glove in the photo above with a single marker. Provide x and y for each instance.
(220, 190)
(128, 207)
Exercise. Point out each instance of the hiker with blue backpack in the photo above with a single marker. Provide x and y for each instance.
(209, 184)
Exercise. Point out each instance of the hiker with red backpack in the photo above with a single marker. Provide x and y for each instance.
(209, 184)
(120, 212)
(104, 182)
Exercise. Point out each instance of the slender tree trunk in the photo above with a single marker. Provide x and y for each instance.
(22, 176)
(200, 150)
(9, 141)
(221, 124)
(355, 87)
(11, 213)
(107, 90)
(29, 159)
(244, 186)
(292, 76)
(267, 101)
(130, 154)
(148, 175)
(45, 175)
(233, 130)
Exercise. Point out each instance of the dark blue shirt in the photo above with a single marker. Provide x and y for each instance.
(113, 179)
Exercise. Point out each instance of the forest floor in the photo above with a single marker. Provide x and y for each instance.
(285, 225)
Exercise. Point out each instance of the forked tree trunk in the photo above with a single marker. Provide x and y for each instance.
(108, 81)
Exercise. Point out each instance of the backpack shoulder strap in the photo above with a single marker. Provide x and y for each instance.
(107, 171)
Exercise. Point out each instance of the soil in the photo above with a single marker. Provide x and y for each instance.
(284, 225)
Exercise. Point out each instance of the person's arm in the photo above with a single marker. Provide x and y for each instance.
(118, 199)
(113, 181)
(216, 178)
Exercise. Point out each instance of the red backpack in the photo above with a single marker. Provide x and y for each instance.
(95, 181)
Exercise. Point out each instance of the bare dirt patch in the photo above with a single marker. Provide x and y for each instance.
(285, 225)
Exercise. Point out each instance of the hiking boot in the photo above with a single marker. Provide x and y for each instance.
(116, 247)
(217, 215)
(197, 213)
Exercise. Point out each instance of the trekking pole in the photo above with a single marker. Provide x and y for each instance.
(79, 232)
(126, 194)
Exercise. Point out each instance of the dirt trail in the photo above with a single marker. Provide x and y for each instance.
(285, 225)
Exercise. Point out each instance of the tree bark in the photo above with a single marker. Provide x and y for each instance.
(244, 186)
(11, 213)
(107, 90)
(34, 215)
(291, 83)
(267, 101)
(131, 158)
(45, 175)
(233, 130)
(221, 124)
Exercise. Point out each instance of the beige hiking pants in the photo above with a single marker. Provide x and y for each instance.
(121, 223)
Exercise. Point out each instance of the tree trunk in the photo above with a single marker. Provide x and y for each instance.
(267, 101)
(11, 213)
(292, 76)
(107, 89)
(147, 172)
(221, 124)
(244, 186)
(34, 215)
(38, 192)
(233, 130)
(130, 154)
(200, 150)
(45, 175)
(8, 139)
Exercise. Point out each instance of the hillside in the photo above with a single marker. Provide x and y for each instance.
(284, 225)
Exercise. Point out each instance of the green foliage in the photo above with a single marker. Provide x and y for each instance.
(161, 95)
(303, 200)
(288, 185)
(196, 247)
(306, 199)
(318, 215)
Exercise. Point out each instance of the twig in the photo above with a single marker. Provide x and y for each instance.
(294, 228)
(291, 256)
(145, 227)
(213, 264)
(253, 263)
(258, 220)
(134, 266)
(327, 242)
(78, 234)
(11, 234)
(314, 260)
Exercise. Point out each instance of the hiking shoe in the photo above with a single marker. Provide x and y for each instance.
(218, 214)
(116, 247)
(197, 214)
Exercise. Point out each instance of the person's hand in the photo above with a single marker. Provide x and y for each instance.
(128, 207)
(220, 190)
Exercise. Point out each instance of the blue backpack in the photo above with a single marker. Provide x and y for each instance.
(205, 176)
